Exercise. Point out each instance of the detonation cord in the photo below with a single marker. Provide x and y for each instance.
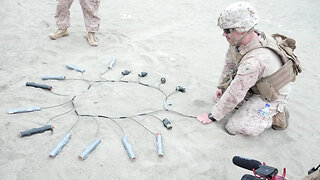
(58, 94)
(124, 73)
(103, 74)
(58, 104)
(155, 117)
(59, 115)
(143, 126)
(78, 116)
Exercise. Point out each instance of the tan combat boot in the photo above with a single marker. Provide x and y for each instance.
(58, 34)
(91, 39)
(280, 121)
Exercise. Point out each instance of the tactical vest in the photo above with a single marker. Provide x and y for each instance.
(267, 87)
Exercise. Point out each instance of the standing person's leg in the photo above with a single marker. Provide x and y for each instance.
(62, 19)
(91, 19)
(247, 121)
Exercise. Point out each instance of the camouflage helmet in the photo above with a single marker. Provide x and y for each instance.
(240, 16)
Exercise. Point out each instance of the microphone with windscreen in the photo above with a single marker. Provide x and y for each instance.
(260, 171)
(246, 163)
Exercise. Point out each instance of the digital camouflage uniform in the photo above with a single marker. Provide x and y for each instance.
(90, 13)
(254, 65)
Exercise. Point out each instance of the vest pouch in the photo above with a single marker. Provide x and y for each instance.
(268, 86)
(266, 91)
(283, 76)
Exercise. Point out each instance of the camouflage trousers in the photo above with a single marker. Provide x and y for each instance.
(247, 121)
(90, 13)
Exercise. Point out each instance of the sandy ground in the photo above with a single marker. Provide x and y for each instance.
(178, 40)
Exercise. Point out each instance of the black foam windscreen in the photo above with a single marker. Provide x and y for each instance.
(246, 162)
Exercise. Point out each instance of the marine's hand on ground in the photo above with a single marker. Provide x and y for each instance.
(203, 118)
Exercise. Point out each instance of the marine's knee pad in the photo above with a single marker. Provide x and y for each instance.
(231, 129)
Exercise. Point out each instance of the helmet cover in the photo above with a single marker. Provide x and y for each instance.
(240, 16)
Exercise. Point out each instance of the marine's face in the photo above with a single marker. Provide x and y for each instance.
(231, 35)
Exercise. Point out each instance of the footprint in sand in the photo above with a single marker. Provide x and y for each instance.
(3, 87)
(200, 103)
(117, 37)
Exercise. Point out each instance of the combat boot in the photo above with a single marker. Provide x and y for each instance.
(91, 39)
(280, 121)
(58, 34)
